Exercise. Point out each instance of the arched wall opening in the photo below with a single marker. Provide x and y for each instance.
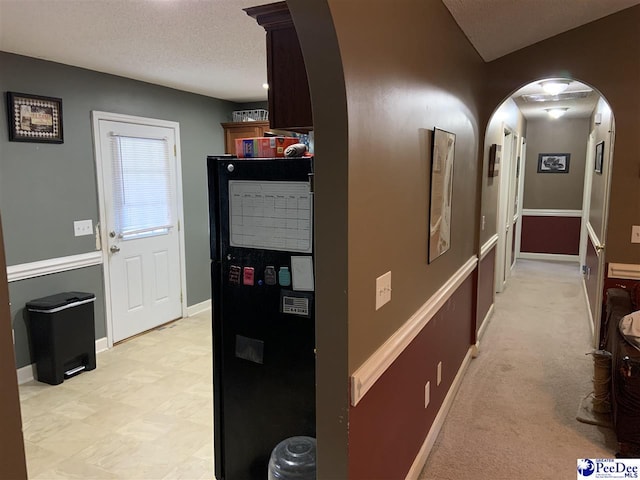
(545, 188)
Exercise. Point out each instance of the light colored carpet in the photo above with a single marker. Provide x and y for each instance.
(514, 415)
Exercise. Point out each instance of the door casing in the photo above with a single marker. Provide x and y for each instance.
(96, 117)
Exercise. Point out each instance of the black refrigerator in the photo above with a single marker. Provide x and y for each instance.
(262, 272)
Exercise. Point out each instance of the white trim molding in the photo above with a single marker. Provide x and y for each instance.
(372, 369)
(595, 241)
(554, 257)
(588, 305)
(546, 212)
(40, 268)
(28, 372)
(488, 245)
(628, 271)
(425, 450)
(485, 321)
(198, 308)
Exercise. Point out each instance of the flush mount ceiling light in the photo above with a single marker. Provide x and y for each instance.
(556, 112)
(554, 87)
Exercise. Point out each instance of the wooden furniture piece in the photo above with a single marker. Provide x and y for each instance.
(625, 375)
(233, 130)
(289, 99)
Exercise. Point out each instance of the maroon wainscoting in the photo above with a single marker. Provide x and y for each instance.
(559, 235)
(486, 285)
(389, 425)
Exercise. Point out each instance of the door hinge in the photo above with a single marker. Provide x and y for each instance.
(175, 151)
(178, 225)
(311, 183)
(180, 296)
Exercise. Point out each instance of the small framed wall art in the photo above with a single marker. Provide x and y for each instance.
(33, 118)
(599, 157)
(553, 162)
(494, 160)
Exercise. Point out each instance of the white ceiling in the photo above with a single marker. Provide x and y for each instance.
(579, 108)
(498, 27)
(212, 47)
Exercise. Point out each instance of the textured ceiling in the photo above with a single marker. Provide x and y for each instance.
(213, 48)
(209, 47)
(498, 27)
(580, 108)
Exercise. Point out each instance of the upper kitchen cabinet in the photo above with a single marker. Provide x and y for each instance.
(289, 99)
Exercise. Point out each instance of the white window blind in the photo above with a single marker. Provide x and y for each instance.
(142, 189)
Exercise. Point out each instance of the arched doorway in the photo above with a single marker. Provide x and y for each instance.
(546, 178)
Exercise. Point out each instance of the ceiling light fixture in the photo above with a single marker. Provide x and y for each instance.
(265, 86)
(556, 112)
(554, 87)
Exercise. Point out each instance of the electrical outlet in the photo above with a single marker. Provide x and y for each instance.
(427, 394)
(383, 289)
(635, 234)
(82, 227)
(439, 373)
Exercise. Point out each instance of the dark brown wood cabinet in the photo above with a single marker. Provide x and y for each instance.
(289, 99)
(233, 130)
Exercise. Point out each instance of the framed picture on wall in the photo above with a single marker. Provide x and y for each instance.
(553, 162)
(599, 157)
(442, 154)
(34, 118)
(494, 160)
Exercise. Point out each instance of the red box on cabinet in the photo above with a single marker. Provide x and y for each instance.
(265, 147)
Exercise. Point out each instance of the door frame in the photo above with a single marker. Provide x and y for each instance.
(520, 181)
(602, 236)
(504, 199)
(101, 237)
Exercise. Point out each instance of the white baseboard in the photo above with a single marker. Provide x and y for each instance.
(198, 308)
(425, 450)
(27, 373)
(102, 344)
(485, 322)
(589, 314)
(554, 257)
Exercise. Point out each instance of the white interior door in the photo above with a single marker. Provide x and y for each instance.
(505, 213)
(140, 225)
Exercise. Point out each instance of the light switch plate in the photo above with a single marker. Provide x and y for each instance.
(82, 227)
(635, 234)
(383, 289)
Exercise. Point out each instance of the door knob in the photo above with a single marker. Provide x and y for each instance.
(114, 249)
(112, 234)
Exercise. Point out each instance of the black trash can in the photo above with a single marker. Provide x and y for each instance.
(62, 335)
(293, 459)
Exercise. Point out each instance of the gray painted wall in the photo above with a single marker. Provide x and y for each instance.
(556, 190)
(45, 187)
(84, 279)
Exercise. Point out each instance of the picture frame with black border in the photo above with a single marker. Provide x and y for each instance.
(34, 118)
(599, 158)
(553, 162)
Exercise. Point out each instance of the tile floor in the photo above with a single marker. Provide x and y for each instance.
(145, 412)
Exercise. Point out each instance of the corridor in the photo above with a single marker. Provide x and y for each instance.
(514, 415)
